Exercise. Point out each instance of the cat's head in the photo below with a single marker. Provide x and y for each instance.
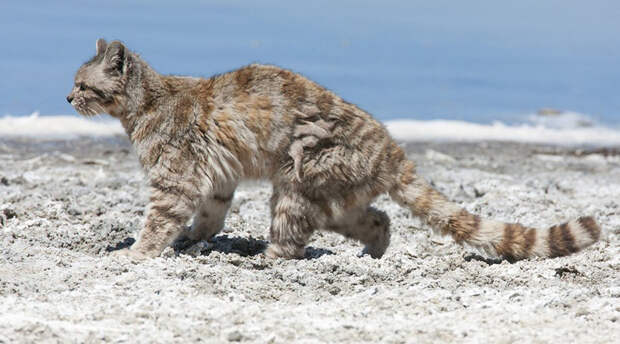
(100, 83)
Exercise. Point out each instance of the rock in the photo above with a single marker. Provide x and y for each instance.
(5, 215)
(439, 157)
(9, 213)
(235, 336)
(168, 253)
(66, 157)
(95, 162)
(199, 248)
(334, 290)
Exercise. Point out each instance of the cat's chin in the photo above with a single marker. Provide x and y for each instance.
(89, 112)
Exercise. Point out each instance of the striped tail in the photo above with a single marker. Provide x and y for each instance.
(509, 241)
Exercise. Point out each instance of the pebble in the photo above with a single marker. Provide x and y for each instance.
(235, 336)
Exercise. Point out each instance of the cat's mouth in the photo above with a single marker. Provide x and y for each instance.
(93, 107)
(89, 111)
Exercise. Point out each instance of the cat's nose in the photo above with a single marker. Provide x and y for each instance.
(69, 99)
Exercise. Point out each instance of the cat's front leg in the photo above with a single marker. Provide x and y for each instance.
(171, 205)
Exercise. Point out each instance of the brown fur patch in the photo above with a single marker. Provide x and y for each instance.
(325, 103)
(356, 125)
(407, 176)
(293, 89)
(203, 123)
(151, 246)
(243, 79)
(588, 223)
(530, 240)
(149, 101)
(223, 198)
(154, 152)
(227, 136)
(161, 209)
(398, 153)
(164, 187)
(348, 114)
(260, 114)
(325, 208)
(173, 84)
(463, 225)
(203, 93)
(381, 158)
(513, 241)
(369, 134)
(422, 205)
(263, 103)
(350, 201)
(182, 154)
(561, 241)
(151, 126)
(568, 239)
(517, 241)
(183, 114)
(504, 248)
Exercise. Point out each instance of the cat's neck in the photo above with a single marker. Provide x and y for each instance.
(144, 88)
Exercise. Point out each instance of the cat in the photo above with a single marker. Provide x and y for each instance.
(327, 159)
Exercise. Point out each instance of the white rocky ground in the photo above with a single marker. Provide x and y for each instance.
(65, 204)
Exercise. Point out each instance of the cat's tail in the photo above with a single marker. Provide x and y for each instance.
(509, 241)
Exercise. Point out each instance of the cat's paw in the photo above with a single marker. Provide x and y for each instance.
(271, 253)
(372, 251)
(183, 242)
(129, 254)
(276, 251)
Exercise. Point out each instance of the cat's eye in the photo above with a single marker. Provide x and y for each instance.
(82, 87)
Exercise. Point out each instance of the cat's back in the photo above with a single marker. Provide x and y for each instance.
(298, 101)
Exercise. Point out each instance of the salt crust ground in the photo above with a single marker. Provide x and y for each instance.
(64, 204)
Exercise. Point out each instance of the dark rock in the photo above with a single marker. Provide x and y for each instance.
(9, 213)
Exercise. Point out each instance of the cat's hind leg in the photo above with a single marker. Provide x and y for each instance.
(368, 225)
(293, 220)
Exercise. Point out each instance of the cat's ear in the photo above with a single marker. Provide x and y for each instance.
(115, 56)
(101, 46)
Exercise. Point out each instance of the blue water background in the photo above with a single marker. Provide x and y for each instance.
(469, 60)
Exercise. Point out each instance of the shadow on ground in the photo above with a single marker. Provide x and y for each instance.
(224, 244)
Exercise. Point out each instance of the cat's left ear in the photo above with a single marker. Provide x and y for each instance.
(115, 56)
(101, 46)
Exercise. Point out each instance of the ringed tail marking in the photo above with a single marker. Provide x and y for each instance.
(511, 241)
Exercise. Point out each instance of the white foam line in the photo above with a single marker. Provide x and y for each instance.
(445, 130)
(58, 127)
(69, 127)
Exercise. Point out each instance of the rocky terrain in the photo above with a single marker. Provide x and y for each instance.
(65, 204)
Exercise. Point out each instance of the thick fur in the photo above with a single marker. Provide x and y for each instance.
(327, 159)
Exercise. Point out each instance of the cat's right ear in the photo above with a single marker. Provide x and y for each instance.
(115, 57)
(101, 46)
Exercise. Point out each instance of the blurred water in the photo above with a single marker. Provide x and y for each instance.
(478, 61)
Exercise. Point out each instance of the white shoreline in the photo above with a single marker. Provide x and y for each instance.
(58, 126)
(71, 126)
(446, 130)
